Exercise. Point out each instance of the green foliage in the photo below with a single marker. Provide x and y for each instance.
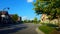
(15, 17)
(52, 25)
(46, 29)
(25, 21)
(35, 20)
(49, 7)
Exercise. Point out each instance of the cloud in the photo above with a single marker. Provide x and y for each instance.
(30, 0)
(24, 17)
(31, 19)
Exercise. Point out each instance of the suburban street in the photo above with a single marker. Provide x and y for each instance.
(27, 28)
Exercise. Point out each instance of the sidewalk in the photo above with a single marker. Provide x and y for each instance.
(39, 31)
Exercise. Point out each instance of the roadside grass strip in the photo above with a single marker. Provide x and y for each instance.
(46, 29)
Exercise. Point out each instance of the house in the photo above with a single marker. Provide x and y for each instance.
(19, 19)
(6, 18)
(44, 19)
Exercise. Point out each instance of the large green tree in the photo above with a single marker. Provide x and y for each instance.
(15, 17)
(48, 7)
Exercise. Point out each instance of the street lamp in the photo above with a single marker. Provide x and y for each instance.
(6, 8)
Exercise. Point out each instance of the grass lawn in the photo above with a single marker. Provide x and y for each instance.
(46, 29)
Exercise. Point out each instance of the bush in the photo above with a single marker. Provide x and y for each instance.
(52, 25)
(43, 23)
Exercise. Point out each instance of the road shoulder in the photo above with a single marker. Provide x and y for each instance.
(39, 31)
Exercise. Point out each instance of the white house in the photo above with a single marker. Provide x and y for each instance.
(44, 19)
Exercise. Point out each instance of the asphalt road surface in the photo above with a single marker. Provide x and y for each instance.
(27, 28)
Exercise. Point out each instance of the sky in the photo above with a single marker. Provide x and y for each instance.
(23, 8)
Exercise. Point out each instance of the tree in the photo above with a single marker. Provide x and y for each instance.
(48, 7)
(35, 20)
(15, 17)
(50, 18)
(25, 21)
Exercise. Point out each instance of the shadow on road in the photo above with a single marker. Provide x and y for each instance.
(8, 31)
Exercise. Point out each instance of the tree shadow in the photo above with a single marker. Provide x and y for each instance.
(8, 31)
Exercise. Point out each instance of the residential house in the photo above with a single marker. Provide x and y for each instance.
(44, 19)
(5, 18)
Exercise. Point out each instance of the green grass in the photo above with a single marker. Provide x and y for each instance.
(46, 29)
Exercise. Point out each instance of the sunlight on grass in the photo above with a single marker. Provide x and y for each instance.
(46, 29)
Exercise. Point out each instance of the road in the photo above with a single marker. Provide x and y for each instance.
(28, 28)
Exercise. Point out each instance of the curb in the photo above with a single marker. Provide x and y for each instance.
(38, 31)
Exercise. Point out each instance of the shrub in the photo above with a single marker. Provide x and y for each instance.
(52, 25)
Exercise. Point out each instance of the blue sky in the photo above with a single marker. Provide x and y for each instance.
(21, 7)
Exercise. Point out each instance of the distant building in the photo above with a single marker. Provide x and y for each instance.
(10, 15)
(7, 18)
(19, 19)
